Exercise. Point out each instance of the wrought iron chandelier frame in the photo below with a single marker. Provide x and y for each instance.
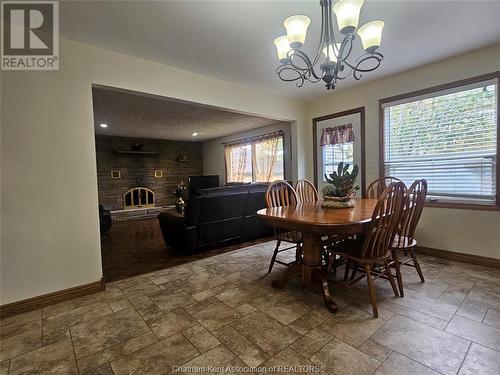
(298, 67)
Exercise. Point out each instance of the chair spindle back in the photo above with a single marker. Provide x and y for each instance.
(377, 187)
(306, 192)
(413, 206)
(384, 223)
(280, 193)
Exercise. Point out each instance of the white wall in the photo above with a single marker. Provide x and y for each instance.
(213, 150)
(468, 231)
(49, 219)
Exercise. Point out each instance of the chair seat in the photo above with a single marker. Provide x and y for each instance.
(292, 236)
(401, 242)
(352, 248)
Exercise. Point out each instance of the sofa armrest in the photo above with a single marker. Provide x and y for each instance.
(176, 233)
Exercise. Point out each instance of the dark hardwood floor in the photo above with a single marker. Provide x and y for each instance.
(136, 247)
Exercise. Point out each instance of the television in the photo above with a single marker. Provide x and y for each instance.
(202, 182)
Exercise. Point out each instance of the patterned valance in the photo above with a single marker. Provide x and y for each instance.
(336, 135)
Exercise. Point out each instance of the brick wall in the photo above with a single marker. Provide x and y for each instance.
(142, 167)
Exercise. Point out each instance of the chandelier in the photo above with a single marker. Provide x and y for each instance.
(337, 64)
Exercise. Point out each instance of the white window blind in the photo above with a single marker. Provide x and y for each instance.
(449, 138)
(334, 154)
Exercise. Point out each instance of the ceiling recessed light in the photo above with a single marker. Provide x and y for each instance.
(195, 134)
(103, 125)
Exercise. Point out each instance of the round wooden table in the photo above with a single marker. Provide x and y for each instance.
(315, 222)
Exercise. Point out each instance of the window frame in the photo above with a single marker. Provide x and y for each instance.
(432, 90)
(252, 141)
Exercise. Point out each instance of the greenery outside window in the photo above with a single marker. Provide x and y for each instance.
(449, 136)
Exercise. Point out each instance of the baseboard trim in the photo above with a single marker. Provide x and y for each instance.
(51, 298)
(460, 257)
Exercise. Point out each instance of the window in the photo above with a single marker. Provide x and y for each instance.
(334, 154)
(259, 159)
(448, 137)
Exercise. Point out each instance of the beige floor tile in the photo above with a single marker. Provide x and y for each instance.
(219, 358)
(290, 362)
(310, 343)
(63, 307)
(170, 274)
(429, 306)
(171, 323)
(481, 360)
(472, 310)
(413, 314)
(244, 309)
(281, 306)
(478, 332)
(50, 360)
(434, 348)
(146, 308)
(216, 316)
(375, 350)
(342, 359)
(352, 325)
(170, 301)
(454, 295)
(4, 367)
(118, 303)
(201, 338)
(13, 330)
(19, 344)
(431, 288)
(156, 359)
(102, 333)
(21, 319)
(239, 294)
(198, 306)
(247, 351)
(311, 320)
(492, 318)
(197, 282)
(213, 291)
(488, 297)
(97, 360)
(269, 334)
(109, 293)
(397, 364)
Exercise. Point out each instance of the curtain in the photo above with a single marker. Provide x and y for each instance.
(264, 158)
(337, 135)
(236, 162)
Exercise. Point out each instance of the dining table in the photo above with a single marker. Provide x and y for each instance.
(316, 222)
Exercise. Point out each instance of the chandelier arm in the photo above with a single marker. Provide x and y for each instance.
(324, 15)
(301, 76)
(306, 60)
(376, 56)
(341, 58)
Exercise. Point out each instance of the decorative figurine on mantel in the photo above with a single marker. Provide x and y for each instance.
(341, 187)
(179, 202)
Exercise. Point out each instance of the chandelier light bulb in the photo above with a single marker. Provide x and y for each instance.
(296, 29)
(332, 53)
(283, 46)
(371, 35)
(347, 12)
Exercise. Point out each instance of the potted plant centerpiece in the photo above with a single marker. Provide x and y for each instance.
(341, 187)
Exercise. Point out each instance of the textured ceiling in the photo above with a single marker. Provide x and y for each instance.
(134, 115)
(233, 40)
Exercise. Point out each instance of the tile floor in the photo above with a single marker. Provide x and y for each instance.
(221, 312)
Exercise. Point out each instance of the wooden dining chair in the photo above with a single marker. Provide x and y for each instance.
(306, 192)
(375, 247)
(375, 189)
(404, 241)
(279, 194)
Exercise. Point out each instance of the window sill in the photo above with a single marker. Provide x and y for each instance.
(462, 206)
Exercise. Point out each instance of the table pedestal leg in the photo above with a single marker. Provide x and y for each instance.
(310, 270)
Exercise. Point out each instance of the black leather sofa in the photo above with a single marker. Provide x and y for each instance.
(217, 215)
